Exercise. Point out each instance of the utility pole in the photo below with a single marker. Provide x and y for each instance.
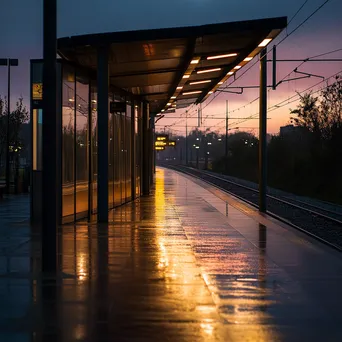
(8, 129)
(263, 132)
(186, 138)
(226, 149)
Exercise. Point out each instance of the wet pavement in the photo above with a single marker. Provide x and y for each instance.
(188, 263)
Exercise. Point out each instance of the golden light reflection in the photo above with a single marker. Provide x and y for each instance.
(208, 328)
(80, 332)
(81, 266)
(176, 264)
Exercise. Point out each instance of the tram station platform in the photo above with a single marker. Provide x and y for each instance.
(188, 263)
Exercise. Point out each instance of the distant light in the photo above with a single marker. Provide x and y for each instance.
(179, 88)
(209, 143)
(163, 110)
(219, 139)
(208, 70)
(210, 92)
(264, 42)
(192, 92)
(186, 76)
(197, 147)
(247, 59)
(237, 67)
(200, 82)
(71, 100)
(195, 61)
(220, 83)
(168, 104)
(230, 73)
(173, 97)
(197, 138)
(222, 56)
(208, 152)
(93, 101)
(194, 145)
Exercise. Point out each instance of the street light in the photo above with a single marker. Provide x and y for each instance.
(8, 62)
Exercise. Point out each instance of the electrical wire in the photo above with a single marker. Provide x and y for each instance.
(245, 71)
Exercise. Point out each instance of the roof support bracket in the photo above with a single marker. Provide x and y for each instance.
(232, 91)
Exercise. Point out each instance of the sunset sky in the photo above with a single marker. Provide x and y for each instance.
(21, 37)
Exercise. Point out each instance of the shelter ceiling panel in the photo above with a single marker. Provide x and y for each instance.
(147, 51)
(143, 80)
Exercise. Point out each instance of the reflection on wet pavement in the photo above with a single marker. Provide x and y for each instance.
(181, 265)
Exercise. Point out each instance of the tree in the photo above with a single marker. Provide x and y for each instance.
(308, 114)
(17, 118)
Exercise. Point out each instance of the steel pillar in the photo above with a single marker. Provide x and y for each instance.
(102, 110)
(263, 132)
(186, 140)
(226, 137)
(8, 183)
(133, 152)
(145, 151)
(49, 189)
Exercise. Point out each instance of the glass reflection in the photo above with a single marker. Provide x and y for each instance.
(94, 146)
(68, 138)
(81, 145)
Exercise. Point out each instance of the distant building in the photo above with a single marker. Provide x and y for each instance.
(288, 129)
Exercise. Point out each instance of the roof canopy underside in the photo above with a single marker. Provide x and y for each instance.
(173, 68)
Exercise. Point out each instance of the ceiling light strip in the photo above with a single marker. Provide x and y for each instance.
(200, 82)
(222, 56)
(208, 70)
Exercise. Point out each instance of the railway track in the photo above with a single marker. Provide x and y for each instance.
(321, 223)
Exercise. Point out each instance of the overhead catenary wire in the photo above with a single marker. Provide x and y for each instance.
(189, 113)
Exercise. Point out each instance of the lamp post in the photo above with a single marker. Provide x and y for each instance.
(8, 62)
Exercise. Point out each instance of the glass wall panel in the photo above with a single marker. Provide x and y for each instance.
(81, 146)
(122, 166)
(128, 153)
(110, 160)
(37, 139)
(94, 147)
(68, 138)
(117, 154)
(138, 145)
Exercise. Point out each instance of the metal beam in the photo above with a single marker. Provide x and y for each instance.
(103, 110)
(263, 132)
(50, 191)
(145, 151)
(145, 72)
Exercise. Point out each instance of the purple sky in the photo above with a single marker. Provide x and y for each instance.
(21, 37)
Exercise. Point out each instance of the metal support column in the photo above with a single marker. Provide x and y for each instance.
(152, 151)
(186, 139)
(150, 155)
(263, 132)
(226, 138)
(8, 128)
(145, 151)
(102, 110)
(49, 189)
